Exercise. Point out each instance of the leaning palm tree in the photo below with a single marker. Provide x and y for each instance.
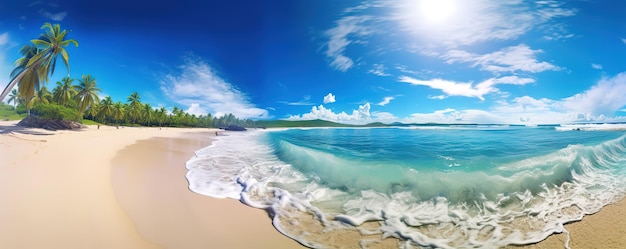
(29, 77)
(87, 93)
(64, 92)
(14, 97)
(40, 61)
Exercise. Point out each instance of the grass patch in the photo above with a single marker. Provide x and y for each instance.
(7, 113)
(89, 122)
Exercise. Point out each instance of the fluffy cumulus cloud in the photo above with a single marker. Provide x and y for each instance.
(519, 58)
(606, 97)
(359, 116)
(597, 104)
(467, 89)
(329, 98)
(200, 90)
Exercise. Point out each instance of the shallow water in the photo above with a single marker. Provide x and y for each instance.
(428, 186)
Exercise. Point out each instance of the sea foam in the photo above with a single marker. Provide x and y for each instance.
(315, 184)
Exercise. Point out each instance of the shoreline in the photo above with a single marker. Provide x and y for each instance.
(68, 189)
(126, 188)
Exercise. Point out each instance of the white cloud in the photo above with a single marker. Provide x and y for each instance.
(4, 38)
(195, 109)
(330, 98)
(439, 97)
(597, 104)
(372, 22)
(514, 80)
(200, 89)
(340, 36)
(386, 101)
(358, 116)
(605, 97)
(304, 101)
(623, 40)
(479, 20)
(54, 16)
(467, 89)
(385, 117)
(34, 3)
(509, 59)
(448, 115)
(379, 70)
(596, 66)
(453, 88)
(298, 103)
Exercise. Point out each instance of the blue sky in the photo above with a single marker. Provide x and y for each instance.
(446, 61)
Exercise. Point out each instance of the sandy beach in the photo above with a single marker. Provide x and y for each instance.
(126, 188)
(116, 188)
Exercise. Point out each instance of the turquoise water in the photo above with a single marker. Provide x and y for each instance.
(429, 186)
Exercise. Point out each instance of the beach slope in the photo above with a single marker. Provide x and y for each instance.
(116, 188)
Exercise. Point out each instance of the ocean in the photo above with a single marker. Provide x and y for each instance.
(438, 186)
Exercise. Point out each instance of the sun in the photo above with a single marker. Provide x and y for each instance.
(437, 11)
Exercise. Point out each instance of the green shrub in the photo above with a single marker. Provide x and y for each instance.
(54, 111)
(20, 109)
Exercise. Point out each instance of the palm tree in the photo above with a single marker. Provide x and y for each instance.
(147, 114)
(176, 115)
(92, 110)
(28, 77)
(105, 111)
(160, 115)
(118, 111)
(40, 60)
(87, 93)
(134, 107)
(64, 92)
(43, 96)
(14, 97)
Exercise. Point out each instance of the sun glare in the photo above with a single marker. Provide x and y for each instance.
(437, 11)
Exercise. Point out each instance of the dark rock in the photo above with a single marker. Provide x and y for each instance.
(234, 128)
(49, 124)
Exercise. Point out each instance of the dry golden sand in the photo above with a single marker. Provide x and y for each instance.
(125, 188)
(116, 188)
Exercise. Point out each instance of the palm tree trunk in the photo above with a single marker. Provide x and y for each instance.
(17, 78)
(11, 84)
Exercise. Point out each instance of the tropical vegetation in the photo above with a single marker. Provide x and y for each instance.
(81, 101)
